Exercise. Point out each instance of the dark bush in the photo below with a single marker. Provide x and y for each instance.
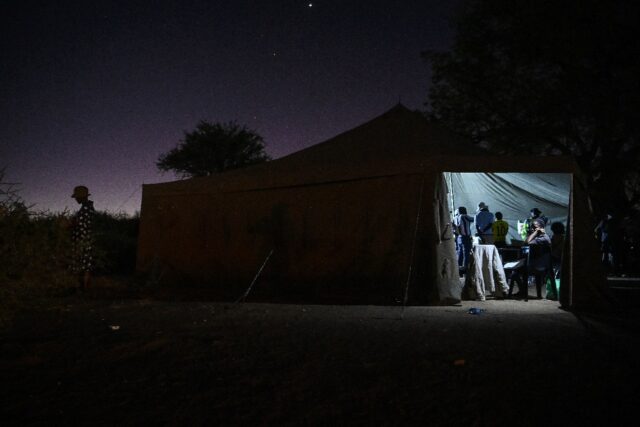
(116, 243)
(35, 250)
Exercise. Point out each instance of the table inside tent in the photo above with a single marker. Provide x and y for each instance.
(485, 275)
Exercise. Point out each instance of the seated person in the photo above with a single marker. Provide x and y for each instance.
(534, 214)
(540, 247)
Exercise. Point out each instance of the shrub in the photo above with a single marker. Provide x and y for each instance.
(35, 250)
(116, 243)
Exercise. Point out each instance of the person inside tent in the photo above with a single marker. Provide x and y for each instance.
(540, 247)
(500, 228)
(484, 220)
(534, 214)
(462, 229)
(557, 244)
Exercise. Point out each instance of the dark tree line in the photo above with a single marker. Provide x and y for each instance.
(548, 77)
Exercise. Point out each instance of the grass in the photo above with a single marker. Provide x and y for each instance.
(35, 248)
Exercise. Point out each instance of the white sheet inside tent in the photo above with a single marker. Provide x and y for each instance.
(513, 194)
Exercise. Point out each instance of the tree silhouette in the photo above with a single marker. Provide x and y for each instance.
(213, 148)
(548, 77)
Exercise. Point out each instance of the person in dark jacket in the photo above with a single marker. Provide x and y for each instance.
(534, 214)
(462, 230)
(608, 233)
(484, 220)
(539, 243)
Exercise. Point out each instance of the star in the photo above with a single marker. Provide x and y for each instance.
(310, 5)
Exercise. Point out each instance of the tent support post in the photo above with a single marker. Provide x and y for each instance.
(413, 246)
(452, 206)
(242, 298)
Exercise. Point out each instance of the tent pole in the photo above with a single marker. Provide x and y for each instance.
(413, 246)
(452, 207)
(242, 298)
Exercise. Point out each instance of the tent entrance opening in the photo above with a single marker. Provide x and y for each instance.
(513, 196)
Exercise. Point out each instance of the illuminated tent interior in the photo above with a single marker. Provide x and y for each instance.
(513, 194)
(362, 218)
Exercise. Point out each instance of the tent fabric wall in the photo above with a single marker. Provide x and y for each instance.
(446, 264)
(343, 237)
(581, 266)
(340, 216)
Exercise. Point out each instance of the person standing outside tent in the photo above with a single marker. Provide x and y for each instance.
(607, 233)
(500, 228)
(82, 236)
(462, 228)
(484, 220)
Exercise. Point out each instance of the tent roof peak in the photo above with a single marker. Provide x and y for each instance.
(398, 109)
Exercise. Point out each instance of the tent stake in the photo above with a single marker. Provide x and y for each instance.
(242, 298)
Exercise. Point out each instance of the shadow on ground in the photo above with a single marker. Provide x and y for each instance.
(93, 360)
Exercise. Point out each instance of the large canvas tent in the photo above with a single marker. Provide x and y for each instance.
(362, 218)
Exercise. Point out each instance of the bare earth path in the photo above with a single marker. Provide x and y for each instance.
(86, 361)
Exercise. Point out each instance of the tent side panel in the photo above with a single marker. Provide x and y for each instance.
(436, 279)
(346, 241)
(588, 290)
(446, 272)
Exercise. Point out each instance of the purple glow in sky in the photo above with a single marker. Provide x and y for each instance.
(93, 92)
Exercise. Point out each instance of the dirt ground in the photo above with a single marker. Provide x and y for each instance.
(90, 360)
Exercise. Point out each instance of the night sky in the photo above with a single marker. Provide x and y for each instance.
(93, 92)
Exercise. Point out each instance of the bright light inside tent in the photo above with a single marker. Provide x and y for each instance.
(512, 194)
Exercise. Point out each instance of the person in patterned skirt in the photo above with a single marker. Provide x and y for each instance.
(82, 236)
